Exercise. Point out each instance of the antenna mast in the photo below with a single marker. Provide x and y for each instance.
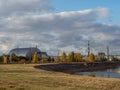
(88, 47)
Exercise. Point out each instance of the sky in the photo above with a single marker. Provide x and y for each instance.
(60, 25)
(76, 5)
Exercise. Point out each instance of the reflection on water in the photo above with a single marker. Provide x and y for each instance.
(109, 73)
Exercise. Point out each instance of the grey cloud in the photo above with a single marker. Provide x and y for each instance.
(19, 7)
(59, 30)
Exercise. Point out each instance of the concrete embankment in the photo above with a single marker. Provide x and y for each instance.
(78, 67)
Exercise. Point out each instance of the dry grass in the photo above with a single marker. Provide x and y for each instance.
(26, 77)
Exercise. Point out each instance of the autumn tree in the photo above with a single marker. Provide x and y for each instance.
(71, 57)
(78, 57)
(10, 58)
(113, 58)
(64, 57)
(5, 59)
(13, 57)
(91, 57)
(35, 58)
(1, 59)
(57, 60)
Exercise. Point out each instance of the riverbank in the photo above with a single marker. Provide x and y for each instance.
(26, 77)
(71, 68)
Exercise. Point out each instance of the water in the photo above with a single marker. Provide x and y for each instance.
(109, 73)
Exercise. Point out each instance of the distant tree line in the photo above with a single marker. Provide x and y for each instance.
(64, 58)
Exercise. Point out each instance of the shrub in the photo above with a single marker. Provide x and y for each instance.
(22, 61)
(44, 60)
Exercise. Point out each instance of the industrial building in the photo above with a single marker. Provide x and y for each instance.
(28, 52)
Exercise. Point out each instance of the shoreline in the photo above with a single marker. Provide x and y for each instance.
(71, 68)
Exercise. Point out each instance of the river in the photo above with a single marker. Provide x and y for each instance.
(108, 73)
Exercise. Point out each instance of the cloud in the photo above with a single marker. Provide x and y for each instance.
(20, 7)
(66, 30)
(103, 12)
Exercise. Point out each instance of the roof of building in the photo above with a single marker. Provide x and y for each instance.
(24, 51)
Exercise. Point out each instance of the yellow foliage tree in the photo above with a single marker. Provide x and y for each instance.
(35, 58)
(5, 59)
(91, 58)
(78, 57)
(64, 57)
(57, 60)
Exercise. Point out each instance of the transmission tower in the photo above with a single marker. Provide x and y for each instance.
(88, 47)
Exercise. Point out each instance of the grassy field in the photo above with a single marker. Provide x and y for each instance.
(26, 77)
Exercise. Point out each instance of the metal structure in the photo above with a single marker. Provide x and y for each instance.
(88, 47)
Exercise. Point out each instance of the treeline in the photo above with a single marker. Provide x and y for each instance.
(64, 58)
(78, 57)
(14, 59)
